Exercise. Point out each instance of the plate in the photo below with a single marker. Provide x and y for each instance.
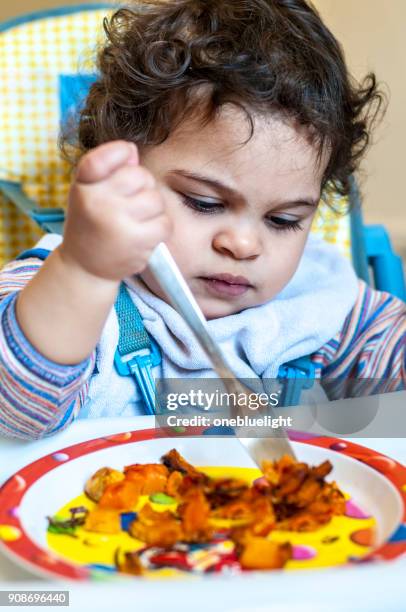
(377, 482)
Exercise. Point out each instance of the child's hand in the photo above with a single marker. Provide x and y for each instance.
(116, 214)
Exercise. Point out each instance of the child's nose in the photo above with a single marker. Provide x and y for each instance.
(240, 243)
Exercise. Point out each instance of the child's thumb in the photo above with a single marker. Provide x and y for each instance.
(99, 163)
(134, 159)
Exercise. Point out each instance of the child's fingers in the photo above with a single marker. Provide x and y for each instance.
(128, 180)
(146, 206)
(156, 230)
(99, 163)
(134, 159)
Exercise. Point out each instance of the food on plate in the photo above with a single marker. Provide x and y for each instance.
(96, 485)
(171, 509)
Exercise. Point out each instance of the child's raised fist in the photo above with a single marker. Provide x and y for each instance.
(116, 214)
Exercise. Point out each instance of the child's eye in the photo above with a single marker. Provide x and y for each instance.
(283, 224)
(200, 206)
(275, 222)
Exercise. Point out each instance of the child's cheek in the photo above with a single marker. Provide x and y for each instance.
(283, 260)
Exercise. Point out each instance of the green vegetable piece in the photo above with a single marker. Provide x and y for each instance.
(61, 530)
(179, 429)
(162, 498)
(62, 526)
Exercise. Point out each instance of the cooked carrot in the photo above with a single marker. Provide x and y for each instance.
(151, 477)
(120, 495)
(260, 553)
(195, 513)
(103, 521)
(156, 528)
(173, 483)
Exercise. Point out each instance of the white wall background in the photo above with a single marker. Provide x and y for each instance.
(373, 35)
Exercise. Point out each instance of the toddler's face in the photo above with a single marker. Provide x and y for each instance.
(241, 213)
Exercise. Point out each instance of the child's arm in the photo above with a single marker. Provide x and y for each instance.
(37, 396)
(369, 354)
(52, 315)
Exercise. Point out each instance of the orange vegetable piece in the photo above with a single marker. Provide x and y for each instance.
(195, 513)
(103, 521)
(263, 516)
(238, 509)
(156, 528)
(260, 553)
(151, 477)
(173, 483)
(130, 564)
(120, 495)
(174, 461)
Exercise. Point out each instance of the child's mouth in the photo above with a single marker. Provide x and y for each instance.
(217, 285)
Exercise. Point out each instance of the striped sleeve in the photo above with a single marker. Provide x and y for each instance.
(369, 354)
(37, 396)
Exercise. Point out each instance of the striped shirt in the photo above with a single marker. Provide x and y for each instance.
(39, 397)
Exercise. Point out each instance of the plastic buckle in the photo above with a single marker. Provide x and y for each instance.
(139, 364)
(298, 374)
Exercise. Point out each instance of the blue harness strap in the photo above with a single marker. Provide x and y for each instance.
(137, 353)
(133, 336)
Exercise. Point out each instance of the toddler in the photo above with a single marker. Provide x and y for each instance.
(215, 126)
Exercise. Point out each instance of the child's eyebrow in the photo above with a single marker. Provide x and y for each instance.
(307, 201)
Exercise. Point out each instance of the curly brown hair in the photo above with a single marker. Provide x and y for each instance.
(165, 60)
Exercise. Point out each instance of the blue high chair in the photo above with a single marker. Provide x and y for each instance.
(47, 64)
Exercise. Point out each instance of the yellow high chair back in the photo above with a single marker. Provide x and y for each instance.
(46, 59)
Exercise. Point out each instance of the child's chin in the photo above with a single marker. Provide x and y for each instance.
(220, 310)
